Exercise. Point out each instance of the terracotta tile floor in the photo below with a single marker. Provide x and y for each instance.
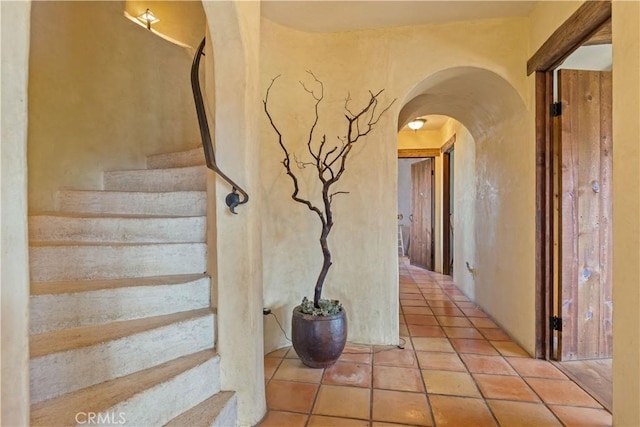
(457, 369)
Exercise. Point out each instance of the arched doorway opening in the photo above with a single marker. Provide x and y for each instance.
(484, 109)
(426, 181)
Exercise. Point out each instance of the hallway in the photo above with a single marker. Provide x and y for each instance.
(457, 369)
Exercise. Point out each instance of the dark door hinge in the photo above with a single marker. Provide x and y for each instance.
(556, 323)
(556, 109)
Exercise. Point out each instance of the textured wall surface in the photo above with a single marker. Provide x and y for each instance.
(103, 93)
(14, 245)
(626, 213)
(462, 63)
(236, 267)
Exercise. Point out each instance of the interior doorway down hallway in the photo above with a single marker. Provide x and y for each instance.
(574, 198)
(416, 210)
(457, 368)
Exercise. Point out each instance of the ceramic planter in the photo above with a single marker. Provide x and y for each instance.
(318, 340)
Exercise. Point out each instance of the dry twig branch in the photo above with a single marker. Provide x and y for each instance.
(329, 162)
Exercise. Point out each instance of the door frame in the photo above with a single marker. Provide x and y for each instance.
(429, 183)
(446, 205)
(425, 153)
(411, 153)
(582, 25)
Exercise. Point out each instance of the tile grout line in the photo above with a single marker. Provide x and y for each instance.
(504, 357)
(484, 398)
(371, 361)
(424, 383)
(482, 394)
(315, 397)
(445, 292)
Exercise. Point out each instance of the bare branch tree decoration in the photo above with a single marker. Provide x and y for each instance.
(329, 160)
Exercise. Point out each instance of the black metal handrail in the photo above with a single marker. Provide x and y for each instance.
(233, 199)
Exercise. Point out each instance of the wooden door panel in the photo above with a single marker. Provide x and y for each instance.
(605, 343)
(416, 239)
(585, 214)
(420, 246)
(427, 214)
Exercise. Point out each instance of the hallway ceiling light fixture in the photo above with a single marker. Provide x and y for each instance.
(416, 124)
(148, 18)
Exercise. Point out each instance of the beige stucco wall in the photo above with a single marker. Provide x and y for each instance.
(14, 17)
(232, 73)
(103, 93)
(505, 228)
(464, 190)
(546, 17)
(626, 213)
(364, 271)
(364, 239)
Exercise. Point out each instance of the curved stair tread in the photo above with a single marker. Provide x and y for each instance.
(74, 338)
(134, 192)
(98, 215)
(151, 203)
(173, 169)
(211, 412)
(191, 157)
(77, 286)
(78, 244)
(61, 410)
(116, 229)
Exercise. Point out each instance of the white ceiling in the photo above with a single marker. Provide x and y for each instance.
(595, 58)
(434, 122)
(338, 15)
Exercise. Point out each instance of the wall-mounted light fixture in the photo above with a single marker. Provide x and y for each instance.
(416, 124)
(148, 18)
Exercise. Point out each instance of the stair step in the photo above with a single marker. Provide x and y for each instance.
(58, 305)
(71, 359)
(219, 410)
(150, 397)
(179, 203)
(172, 179)
(113, 229)
(76, 261)
(193, 157)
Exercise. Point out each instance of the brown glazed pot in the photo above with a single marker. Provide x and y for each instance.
(318, 340)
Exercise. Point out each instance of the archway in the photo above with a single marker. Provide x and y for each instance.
(432, 147)
(476, 97)
(489, 123)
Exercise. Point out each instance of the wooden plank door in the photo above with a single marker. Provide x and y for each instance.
(421, 237)
(585, 215)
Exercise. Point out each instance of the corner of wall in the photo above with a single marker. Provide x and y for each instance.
(15, 25)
